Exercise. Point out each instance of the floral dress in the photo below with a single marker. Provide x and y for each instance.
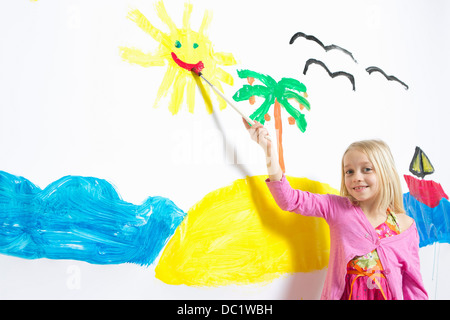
(365, 278)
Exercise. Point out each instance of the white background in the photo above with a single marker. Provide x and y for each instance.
(69, 105)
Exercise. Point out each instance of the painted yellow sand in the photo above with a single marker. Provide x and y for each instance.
(238, 235)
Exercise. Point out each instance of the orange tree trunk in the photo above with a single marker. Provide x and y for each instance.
(279, 131)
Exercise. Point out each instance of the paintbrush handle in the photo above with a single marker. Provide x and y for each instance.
(250, 121)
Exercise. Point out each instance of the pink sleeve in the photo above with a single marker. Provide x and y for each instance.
(413, 288)
(302, 202)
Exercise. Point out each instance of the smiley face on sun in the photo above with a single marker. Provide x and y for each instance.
(180, 49)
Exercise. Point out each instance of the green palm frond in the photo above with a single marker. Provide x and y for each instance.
(287, 89)
(259, 113)
(248, 91)
(297, 115)
(267, 80)
(290, 87)
(292, 84)
(293, 95)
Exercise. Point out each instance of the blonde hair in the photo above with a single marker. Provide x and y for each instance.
(378, 152)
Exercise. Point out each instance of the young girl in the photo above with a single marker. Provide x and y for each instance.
(374, 253)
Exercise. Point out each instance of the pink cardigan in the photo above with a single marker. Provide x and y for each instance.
(352, 235)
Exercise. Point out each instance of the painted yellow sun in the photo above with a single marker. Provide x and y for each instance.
(181, 49)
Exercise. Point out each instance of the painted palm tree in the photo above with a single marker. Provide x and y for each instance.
(277, 94)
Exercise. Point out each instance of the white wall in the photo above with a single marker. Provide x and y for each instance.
(69, 105)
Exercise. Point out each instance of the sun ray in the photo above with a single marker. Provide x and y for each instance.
(208, 103)
(224, 76)
(136, 56)
(224, 59)
(177, 97)
(207, 97)
(188, 37)
(190, 94)
(187, 15)
(137, 17)
(205, 94)
(207, 18)
(167, 82)
(164, 16)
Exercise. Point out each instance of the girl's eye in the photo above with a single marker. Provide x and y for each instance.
(349, 172)
(367, 169)
(177, 44)
(195, 45)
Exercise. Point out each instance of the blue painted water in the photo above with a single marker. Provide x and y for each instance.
(433, 224)
(82, 218)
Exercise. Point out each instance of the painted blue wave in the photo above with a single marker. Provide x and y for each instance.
(433, 224)
(82, 218)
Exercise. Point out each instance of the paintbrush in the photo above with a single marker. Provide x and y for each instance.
(197, 70)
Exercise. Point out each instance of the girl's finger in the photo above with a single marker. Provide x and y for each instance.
(246, 124)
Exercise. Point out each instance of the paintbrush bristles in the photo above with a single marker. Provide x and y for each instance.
(197, 69)
(198, 73)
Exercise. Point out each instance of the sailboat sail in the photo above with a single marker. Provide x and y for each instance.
(420, 164)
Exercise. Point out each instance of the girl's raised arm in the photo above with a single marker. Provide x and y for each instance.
(258, 133)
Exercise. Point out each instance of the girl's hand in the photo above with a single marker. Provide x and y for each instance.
(258, 133)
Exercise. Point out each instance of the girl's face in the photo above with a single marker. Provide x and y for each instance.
(361, 180)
